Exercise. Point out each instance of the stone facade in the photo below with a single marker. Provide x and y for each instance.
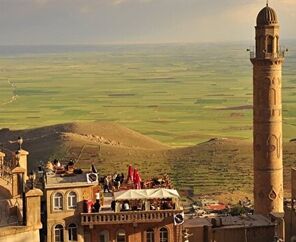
(20, 206)
(66, 215)
(255, 228)
(29, 231)
(136, 232)
(267, 116)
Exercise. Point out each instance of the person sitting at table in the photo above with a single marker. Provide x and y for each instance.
(125, 206)
(49, 167)
(57, 167)
(96, 206)
(113, 205)
(152, 206)
(70, 167)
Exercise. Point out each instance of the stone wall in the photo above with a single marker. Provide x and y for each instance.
(19, 234)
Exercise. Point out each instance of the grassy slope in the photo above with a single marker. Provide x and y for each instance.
(219, 165)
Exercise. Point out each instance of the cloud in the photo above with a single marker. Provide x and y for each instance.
(288, 2)
(119, 2)
(107, 21)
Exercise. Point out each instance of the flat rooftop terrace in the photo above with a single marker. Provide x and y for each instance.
(254, 220)
(61, 180)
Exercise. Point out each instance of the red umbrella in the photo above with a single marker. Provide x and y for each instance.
(137, 179)
(130, 174)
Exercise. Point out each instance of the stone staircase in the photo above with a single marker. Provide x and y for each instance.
(10, 208)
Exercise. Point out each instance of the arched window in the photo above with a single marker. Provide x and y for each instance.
(58, 201)
(259, 45)
(72, 232)
(72, 200)
(269, 44)
(277, 44)
(164, 235)
(104, 236)
(150, 235)
(121, 236)
(59, 233)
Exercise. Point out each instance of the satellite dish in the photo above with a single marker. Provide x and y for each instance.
(92, 178)
(178, 218)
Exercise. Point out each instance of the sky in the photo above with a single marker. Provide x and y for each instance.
(26, 22)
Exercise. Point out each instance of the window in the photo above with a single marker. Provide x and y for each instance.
(259, 45)
(121, 236)
(277, 44)
(59, 233)
(72, 232)
(269, 44)
(58, 201)
(164, 235)
(150, 235)
(104, 236)
(72, 200)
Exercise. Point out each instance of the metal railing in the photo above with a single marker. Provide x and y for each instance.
(5, 173)
(278, 55)
(126, 217)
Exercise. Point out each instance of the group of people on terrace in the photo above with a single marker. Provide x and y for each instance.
(117, 181)
(118, 184)
(141, 205)
(65, 170)
(133, 180)
(112, 183)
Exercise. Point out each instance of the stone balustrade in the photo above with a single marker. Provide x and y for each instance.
(104, 218)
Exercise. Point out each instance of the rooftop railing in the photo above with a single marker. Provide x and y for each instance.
(104, 218)
(5, 173)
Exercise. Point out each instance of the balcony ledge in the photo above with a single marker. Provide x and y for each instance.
(106, 218)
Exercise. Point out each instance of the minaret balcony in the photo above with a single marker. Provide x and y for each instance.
(277, 55)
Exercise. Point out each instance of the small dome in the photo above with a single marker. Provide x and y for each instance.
(267, 16)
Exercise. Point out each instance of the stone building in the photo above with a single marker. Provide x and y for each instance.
(67, 216)
(19, 207)
(140, 225)
(255, 228)
(267, 62)
(62, 206)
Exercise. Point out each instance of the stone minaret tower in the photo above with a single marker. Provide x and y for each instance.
(267, 111)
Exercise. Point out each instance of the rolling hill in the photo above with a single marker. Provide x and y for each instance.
(218, 166)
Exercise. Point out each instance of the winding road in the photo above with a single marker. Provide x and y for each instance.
(14, 95)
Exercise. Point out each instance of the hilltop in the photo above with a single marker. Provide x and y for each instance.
(217, 166)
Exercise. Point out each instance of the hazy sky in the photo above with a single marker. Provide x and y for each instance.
(135, 21)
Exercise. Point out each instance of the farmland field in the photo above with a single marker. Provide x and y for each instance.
(178, 94)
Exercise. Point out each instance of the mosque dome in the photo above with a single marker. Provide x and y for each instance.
(267, 16)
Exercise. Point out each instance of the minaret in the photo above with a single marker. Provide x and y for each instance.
(267, 115)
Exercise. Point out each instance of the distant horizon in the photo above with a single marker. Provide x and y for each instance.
(140, 43)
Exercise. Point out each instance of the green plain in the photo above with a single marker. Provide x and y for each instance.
(178, 94)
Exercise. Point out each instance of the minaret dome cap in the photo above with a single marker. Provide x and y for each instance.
(267, 16)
